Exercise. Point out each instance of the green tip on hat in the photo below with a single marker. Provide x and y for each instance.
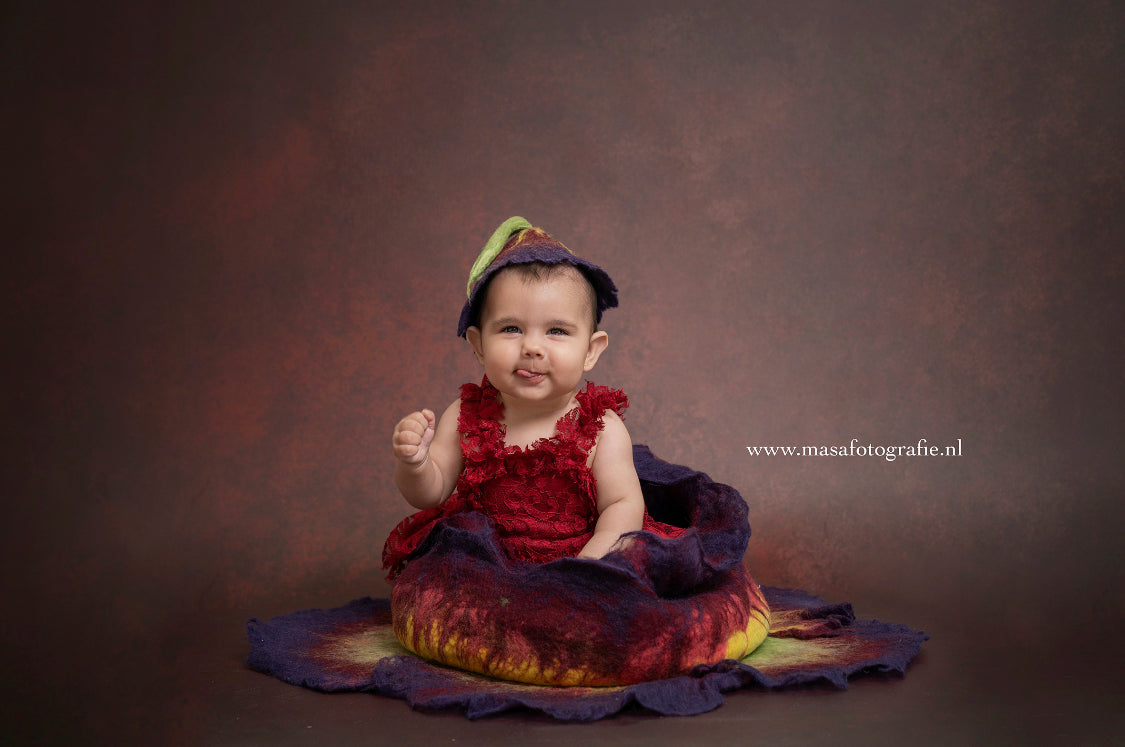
(500, 237)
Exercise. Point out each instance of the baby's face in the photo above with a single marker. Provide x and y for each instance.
(536, 337)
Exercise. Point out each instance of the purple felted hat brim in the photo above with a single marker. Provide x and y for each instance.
(534, 245)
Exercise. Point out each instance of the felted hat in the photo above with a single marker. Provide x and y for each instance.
(517, 242)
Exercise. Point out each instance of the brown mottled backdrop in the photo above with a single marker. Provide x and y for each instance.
(236, 238)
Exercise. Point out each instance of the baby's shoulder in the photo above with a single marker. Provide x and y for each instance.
(613, 427)
(453, 412)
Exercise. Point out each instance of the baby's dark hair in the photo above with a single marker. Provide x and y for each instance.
(539, 272)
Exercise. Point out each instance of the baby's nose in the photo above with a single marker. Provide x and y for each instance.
(532, 346)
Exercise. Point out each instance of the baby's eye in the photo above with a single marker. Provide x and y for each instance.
(557, 331)
(511, 329)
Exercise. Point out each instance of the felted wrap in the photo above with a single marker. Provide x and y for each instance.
(653, 610)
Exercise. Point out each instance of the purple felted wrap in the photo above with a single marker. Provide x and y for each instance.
(353, 649)
(655, 609)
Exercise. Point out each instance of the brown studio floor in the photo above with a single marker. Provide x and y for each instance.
(189, 685)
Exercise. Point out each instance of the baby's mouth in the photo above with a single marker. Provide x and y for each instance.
(529, 375)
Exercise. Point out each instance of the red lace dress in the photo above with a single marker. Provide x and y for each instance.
(540, 499)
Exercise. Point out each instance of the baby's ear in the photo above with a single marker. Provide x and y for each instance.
(472, 334)
(599, 341)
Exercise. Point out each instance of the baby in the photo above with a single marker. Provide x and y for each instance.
(533, 557)
(549, 463)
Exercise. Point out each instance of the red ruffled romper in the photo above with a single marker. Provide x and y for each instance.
(541, 499)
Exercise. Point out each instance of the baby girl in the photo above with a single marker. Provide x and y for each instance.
(550, 463)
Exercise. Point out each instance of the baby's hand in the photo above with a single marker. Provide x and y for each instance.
(412, 437)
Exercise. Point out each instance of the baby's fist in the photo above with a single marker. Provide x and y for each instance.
(412, 437)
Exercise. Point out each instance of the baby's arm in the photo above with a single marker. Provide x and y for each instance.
(621, 506)
(428, 454)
